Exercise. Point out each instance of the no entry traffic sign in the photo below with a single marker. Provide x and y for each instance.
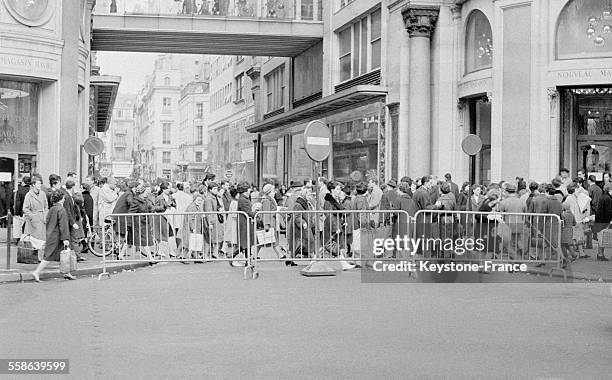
(93, 146)
(317, 140)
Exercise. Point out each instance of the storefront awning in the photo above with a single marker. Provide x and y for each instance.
(333, 103)
(105, 87)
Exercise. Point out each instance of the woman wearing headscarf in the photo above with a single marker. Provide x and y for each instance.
(404, 202)
(196, 224)
(246, 232)
(231, 224)
(215, 221)
(269, 204)
(348, 204)
(141, 226)
(57, 235)
(334, 224)
(162, 229)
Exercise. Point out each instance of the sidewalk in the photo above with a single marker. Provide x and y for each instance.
(21, 272)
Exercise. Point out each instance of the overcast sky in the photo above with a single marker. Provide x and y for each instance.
(131, 67)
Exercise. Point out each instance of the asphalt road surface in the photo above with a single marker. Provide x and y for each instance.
(204, 321)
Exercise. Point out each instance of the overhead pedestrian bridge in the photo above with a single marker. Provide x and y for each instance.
(279, 28)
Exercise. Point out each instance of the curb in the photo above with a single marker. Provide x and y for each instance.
(26, 276)
(570, 274)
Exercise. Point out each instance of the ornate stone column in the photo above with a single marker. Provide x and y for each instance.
(420, 22)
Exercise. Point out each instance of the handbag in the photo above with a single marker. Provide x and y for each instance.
(18, 223)
(68, 261)
(196, 242)
(26, 253)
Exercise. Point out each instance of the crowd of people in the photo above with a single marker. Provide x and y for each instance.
(62, 212)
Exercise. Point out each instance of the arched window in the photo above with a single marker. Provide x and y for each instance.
(166, 81)
(584, 30)
(478, 43)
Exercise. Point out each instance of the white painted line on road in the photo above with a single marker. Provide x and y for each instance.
(317, 141)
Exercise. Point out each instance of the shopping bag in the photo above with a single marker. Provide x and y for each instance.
(363, 240)
(266, 237)
(578, 234)
(356, 244)
(196, 242)
(68, 261)
(504, 231)
(18, 223)
(25, 253)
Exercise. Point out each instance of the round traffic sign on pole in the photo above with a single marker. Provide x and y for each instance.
(229, 174)
(471, 145)
(317, 140)
(94, 146)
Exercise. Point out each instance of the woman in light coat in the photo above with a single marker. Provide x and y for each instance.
(35, 209)
(215, 221)
(194, 223)
(106, 201)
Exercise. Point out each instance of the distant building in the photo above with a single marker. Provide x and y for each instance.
(193, 131)
(158, 115)
(232, 109)
(119, 139)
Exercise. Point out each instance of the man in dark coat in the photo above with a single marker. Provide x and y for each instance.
(245, 205)
(55, 183)
(423, 201)
(453, 186)
(603, 217)
(404, 202)
(388, 200)
(74, 218)
(123, 224)
(20, 196)
(421, 195)
(595, 193)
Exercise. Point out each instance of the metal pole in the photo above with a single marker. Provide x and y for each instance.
(316, 215)
(9, 237)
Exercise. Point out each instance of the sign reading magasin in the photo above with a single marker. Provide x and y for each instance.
(20, 65)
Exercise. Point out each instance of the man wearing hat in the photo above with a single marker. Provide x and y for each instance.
(389, 199)
(513, 204)
(298, 228)
(123, 224)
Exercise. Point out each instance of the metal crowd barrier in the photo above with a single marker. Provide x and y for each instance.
(349, 236)
(178, 237)
(492, 236)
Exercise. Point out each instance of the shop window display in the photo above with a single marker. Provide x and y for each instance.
(585, 30)
(479, 43)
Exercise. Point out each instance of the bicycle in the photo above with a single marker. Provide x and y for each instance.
(100, 234)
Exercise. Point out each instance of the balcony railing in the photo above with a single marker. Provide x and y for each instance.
(261, 9)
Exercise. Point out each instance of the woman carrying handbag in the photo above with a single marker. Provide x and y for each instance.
(58, 235)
